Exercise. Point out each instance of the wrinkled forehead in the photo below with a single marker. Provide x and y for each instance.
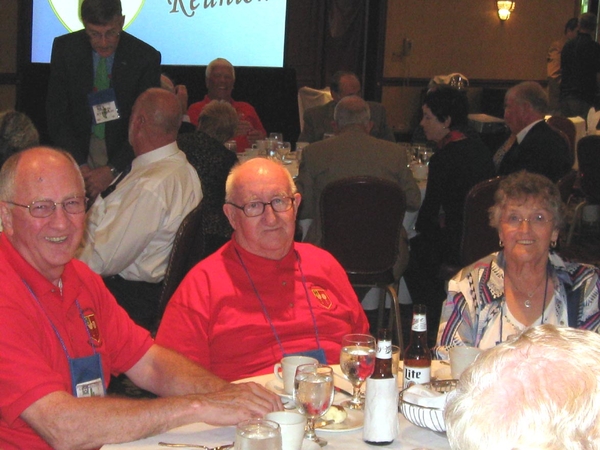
(261, 184)
(37, 174)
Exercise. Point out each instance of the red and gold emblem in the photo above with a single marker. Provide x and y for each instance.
(321, 295)
(90, 321)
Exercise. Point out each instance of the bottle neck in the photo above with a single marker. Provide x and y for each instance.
(384, 349)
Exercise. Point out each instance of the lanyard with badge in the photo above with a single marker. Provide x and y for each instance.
(318, 353)
(87, 377)
(103, 100)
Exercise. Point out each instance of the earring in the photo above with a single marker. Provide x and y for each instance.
(500, 243)
(553, 244)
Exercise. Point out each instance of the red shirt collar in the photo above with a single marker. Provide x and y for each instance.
(452, 136)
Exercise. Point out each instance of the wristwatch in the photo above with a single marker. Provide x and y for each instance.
(113, 170)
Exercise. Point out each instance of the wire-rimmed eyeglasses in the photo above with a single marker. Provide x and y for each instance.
(535, 220)
(256, 208)
(45, 208)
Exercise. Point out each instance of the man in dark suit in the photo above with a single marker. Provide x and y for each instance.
(352, 152)
(318, 121)
(128, 67)
(538, 148)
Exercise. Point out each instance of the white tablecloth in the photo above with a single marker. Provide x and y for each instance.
(410, 436)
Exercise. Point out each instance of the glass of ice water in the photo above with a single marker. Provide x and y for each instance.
(257, 434)
(313, 395)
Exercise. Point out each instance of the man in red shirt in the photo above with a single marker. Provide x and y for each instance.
(220, 78)
(261, 296)
(63, 334)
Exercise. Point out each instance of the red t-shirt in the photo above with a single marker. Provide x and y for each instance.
(33, 363)
(245, 112)
(216, 319)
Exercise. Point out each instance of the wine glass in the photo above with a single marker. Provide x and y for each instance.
(276, 136)
(283, 149)
(357, 361)
(313, 394)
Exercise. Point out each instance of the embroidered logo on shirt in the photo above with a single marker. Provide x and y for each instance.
(90, 321)
(321, 295)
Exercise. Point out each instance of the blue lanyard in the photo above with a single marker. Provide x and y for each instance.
(62, 343)
(264, 308)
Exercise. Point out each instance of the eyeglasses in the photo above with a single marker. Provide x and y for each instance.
(253, 209)
(537, 220)
(45, 208)
(109, 35)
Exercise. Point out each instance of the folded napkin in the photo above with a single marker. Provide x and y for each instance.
(421, 395)
(592, 120)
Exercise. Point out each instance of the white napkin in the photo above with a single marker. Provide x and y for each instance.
(592, 120)
(420, 395)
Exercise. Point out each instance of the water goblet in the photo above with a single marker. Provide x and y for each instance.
(283, 149)
(357, 361)
(313, 394)
(276, 136)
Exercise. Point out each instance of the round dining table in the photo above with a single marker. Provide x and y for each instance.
(410, 437)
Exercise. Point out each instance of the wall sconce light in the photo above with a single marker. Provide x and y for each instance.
(505, 8)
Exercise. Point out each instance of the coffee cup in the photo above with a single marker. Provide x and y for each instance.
(286, 370)
(462, 357)
(292, 428)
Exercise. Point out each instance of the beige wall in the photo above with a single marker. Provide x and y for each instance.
(465, 36)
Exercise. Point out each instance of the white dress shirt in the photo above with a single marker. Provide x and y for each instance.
(131, 231)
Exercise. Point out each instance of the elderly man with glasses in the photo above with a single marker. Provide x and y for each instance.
(261, 296)
(95, 76)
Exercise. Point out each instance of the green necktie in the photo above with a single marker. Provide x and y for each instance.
(101, 82)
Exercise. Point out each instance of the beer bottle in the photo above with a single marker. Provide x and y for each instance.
(417, 357)
(381, 396)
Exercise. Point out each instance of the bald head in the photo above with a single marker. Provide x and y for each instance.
(155, 120)
(253, 171)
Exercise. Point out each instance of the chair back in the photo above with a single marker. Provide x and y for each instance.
(309, 97)
(588, 156)
(566, 186)
(478, 237)
(563, 124)
(191, 245)
(361, 219)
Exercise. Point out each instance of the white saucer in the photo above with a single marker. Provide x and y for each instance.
(354, 421)
(274, 385)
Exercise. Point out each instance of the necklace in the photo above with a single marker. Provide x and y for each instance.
(529, 294)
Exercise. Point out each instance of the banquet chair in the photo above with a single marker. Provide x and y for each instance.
(566, 186)
(478, 237)
(191, 245)
(361, 219)
(309, 97)
(568, 128)
(588, 155)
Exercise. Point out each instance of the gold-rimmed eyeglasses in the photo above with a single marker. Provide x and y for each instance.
(45, 208)
(256, 208)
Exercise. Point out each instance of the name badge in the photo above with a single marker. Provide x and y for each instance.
(86, 376)
(104, 106)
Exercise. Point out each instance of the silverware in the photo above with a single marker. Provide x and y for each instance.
(323, 423)
(219, 447)
(342, 391)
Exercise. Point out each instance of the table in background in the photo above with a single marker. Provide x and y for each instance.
(410, 436)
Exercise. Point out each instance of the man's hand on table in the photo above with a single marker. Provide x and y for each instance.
(238, 402)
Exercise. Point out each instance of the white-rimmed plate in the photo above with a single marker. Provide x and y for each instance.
(354, 421)
(276, 386)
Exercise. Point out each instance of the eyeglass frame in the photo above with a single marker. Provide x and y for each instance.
(264, 205)
(519, 220)
(53, 208)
